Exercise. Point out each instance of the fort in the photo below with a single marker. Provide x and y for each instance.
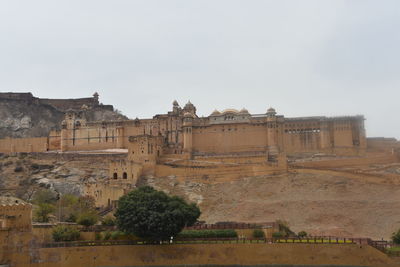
(59, 104)
(225, 145)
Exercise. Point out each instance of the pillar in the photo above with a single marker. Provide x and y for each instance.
(187, 134)
(120, 137)
(272, 128)
(64, 140)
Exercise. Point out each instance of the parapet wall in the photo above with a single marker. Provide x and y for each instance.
(14, 145)
(340, 163)
(60, 104)
(205, 254)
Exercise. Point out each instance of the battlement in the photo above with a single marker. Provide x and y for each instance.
(15, 214)
(59, 104)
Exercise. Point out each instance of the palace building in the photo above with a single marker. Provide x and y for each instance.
(224, 145)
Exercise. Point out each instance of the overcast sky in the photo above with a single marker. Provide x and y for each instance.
(303, 58)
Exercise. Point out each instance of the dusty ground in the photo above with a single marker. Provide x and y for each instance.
(320, 202)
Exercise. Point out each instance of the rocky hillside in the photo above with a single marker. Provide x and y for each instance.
(29, 119)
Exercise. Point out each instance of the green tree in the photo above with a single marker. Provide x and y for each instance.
(258, 233)
(43, 211)
(396, 237)
(44, 196)
(148, 213)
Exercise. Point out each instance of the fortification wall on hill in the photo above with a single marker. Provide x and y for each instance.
(382, 144)
(204, 254)
(14, 145)
(60, 104)
(340, 163)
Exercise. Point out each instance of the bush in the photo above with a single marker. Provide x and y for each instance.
(108, 221)
(107, 235)
(278, 234)
(207, 234)
(302, 234)
(117, 235)
(97, 236)
(18, 169)
(65, 233)
(396, 237)
(87, 219)
(258, 233)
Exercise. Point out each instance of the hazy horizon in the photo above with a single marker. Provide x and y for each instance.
(304, 58)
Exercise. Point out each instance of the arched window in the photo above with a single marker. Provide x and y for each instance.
(124, 175)
(115, 175)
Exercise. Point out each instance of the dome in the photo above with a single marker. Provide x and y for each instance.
(230, 110)
(188, 115)
(175, 103)
(271, 111)
(244, 111)
(189, 105)
(215, 113)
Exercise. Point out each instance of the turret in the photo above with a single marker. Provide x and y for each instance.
(175, 107)
(190, 108)
(96, 99)
(187, 133)
(272, 132)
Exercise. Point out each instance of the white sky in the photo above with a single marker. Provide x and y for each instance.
(304, 58)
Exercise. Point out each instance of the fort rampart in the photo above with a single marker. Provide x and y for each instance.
(204, 254)
(60, 104)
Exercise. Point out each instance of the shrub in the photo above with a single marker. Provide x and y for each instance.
(258, 233)
(226, 233)
(107, 235)
(302, 234)
(108, 221)
(278, 234)
(65, 233)
(396, 237)
(18, 169)
(97, 236)
(87, 219)
(117, 235)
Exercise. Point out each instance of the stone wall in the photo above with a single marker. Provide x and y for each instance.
(13, 145)
(204, 254)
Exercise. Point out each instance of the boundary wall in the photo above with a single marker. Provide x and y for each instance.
(350, 162)
(204, 254)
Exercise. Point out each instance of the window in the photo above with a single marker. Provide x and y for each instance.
(115, 176)
(124, 175)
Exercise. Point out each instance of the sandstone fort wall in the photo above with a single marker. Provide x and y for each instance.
(13, 145)
(207, 254)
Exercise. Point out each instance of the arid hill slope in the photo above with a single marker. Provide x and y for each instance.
(317, 201)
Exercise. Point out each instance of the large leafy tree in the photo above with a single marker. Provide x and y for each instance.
(148, 213)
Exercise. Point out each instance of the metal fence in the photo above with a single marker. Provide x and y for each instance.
(313, 240)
